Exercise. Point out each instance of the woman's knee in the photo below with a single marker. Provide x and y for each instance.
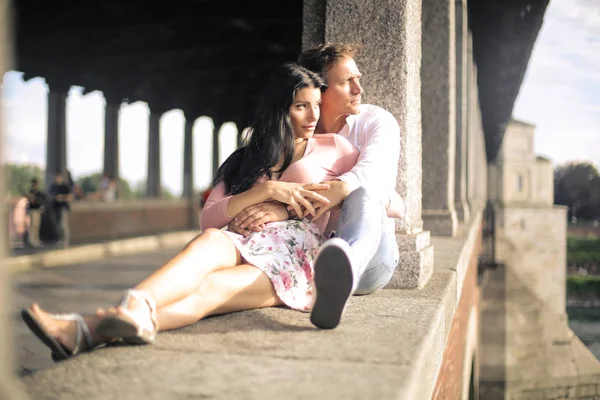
(211, 235)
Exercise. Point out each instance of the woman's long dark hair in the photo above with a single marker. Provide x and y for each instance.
(271, 133)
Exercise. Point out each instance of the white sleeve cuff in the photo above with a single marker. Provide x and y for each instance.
(351, 180)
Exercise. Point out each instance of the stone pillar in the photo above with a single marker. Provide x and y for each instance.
(188, 159)
(111, 139)
(438, 97)
(460, 182)
(8, 389)
(471, 126)
(240, 135)
(56, 142)
(215, 146)
(390, 64)
(481, 162)
(153, 186)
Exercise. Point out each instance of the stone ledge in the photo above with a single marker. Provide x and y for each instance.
(389, 346)
(96, 251)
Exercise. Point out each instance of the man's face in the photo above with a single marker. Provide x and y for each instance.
(343, 95)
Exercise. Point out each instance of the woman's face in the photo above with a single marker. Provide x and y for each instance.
(304, 112)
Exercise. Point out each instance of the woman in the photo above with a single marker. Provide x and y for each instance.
(281, 148)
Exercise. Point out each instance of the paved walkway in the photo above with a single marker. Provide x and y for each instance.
(81, 287)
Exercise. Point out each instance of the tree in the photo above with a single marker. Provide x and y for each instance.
(19, 176)
(577, 186)
(91, 183)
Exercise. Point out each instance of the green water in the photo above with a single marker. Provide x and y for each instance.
(585, 323)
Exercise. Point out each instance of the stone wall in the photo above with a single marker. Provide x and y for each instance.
(518, 176)
(518, 142)
(105, 221)
(575, 392)
(459, 354)
(98, 221)
(533, 239)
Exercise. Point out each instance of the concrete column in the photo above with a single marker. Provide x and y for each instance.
(471, 126)
(481, 162)
(215, 146)
(111, 139)
(390, 64)
(8, 388)
(153, 186)
(438, 98)
(56, 142)
(188, 159)
(460, 182)
(240, 137)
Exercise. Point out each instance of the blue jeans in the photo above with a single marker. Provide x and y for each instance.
(364, 225)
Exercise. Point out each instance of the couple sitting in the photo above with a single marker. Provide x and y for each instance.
(309, 204)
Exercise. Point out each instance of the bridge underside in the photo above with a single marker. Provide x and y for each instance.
(211, 58)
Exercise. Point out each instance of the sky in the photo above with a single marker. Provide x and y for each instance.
(560, 95)
(25, 109)
(561, 90)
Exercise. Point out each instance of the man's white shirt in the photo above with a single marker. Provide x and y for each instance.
(376, 134)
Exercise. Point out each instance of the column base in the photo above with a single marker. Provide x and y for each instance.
(440, 222)
(463, 212)
(416, 261)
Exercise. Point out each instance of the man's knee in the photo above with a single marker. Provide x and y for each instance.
(374, 279)
(358, 196)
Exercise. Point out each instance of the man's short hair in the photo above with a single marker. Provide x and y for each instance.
(34, 181)
(320, 59)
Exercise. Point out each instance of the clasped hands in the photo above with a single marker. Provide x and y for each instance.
(288, 199)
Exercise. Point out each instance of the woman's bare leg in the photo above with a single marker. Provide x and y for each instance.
(179, 277)
(243, 287)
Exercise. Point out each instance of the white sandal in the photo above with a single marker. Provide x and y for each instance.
(123, 325)
(83, 338)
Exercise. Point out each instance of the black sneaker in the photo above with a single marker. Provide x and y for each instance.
(333, 283)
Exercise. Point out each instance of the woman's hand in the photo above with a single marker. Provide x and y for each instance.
(297, 195)
(254, 218)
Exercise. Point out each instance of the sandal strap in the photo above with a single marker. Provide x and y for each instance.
(142, 296)
(82, 331)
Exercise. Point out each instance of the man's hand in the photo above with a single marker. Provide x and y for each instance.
(297, 195)
(336, 194)
(254, 218)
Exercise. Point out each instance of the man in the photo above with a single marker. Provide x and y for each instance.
(61, 196)
(37, 201)
(363, 255)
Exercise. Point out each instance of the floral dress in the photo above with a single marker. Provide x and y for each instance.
(285, 252)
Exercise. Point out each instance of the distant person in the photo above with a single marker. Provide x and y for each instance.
(110, 193)
(20, 219)
(61, 194)
(37, 202)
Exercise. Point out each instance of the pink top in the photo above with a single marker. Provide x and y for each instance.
(326, 157)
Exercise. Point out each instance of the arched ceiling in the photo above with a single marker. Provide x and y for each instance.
(204, 57)
(211, 57)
